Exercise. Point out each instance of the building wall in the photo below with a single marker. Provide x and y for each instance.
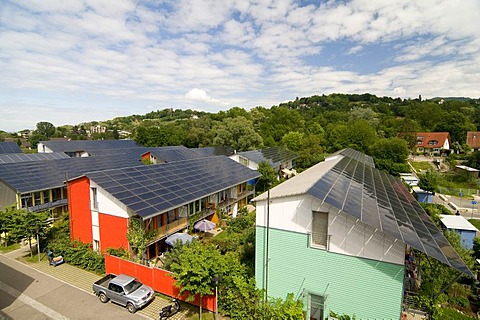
(79, 208)
(8, 196)
(108, 204)
(466, 238)
(350, 285)
(113, 231)
(347, 234)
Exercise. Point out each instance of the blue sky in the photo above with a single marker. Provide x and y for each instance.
(68, 62)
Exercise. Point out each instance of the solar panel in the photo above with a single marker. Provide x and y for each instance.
(382, 201)
(187, 181)
(9, 147)
(23, 157)
(274, 156)
(43, 175)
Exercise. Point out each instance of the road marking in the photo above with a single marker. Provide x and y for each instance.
(31, 302)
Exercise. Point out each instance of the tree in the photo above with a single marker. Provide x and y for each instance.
(238, 133)
(24, 224)
(391, 155)
(138, 238)
(194, 268)
(36, 138)
(268, 178)
(428, 181)
(45, 128)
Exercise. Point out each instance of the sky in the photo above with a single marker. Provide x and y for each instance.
(73, 61)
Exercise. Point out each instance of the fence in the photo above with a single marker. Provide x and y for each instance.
(458, 192)
(160, 280)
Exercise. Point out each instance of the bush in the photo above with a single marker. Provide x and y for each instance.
(118, 252)
(79, 254)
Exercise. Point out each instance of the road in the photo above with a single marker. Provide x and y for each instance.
(26, 293)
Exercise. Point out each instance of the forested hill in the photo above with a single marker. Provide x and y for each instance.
(310, 126)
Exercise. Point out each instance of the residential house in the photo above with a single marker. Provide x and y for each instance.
(462, 226)
(25, 157)
(162, 197)
(473, 140)
(40, 185)
(78, 148)
(174, 153)
(24, 142)
(472, 172)
(433, 142)
(335, 236)
(277, 157)
(422, 195)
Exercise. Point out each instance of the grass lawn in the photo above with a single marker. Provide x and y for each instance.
(9, 248)
(450, 314)
(421, 165)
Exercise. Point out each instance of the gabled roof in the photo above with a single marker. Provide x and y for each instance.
(9, 147)
(43, 175)
(374, 197)
(274, 156)
(456, 222)
(173, 153)
(86, 145)
(23, 157)
(473, 139)
(154, 189)
(431, 140)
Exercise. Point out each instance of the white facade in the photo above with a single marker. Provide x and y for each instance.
(107, 204)
(347, 235)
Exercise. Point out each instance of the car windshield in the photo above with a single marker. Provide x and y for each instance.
(132, 286)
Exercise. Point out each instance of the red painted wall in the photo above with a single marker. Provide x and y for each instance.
(113, 231)
(160, 280)
(78, 192)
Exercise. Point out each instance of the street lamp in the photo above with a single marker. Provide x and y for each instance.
(216, 280)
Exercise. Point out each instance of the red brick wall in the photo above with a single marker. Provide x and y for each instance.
(160, 280)
(79, 210)
(113, 231)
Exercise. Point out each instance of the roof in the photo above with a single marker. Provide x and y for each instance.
(173, 153)
(9, 147)
(85, 145)
(374, 197)
(215, 151)
(22, 157)
(274, 156)
(466, 168)
(473, 139)
(456, 222)
(431, 140)
(43, 175)
(154, 189)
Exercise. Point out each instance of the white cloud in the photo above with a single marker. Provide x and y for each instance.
(355, 50)
(196, 94)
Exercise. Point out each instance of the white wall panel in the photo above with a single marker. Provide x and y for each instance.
(108, 204)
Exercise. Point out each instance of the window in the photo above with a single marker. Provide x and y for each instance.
(243, 161)
(315, 306)
(320, 235)
(96, 245)
(37, 197)
(94, 199)
(27, 200)
(56, 194)
(46, 196)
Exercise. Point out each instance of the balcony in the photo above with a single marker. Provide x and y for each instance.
(170, 228)
(48, 205)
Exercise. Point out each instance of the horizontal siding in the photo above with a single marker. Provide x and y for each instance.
(367, 288)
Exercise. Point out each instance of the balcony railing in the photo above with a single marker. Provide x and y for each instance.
(48, 205)
(170, 228)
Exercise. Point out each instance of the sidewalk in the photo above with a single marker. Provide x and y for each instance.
(84, 279)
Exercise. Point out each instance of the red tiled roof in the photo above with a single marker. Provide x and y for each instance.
(430, 140)
(473, 139)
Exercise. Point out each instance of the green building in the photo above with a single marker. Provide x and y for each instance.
(336, 237)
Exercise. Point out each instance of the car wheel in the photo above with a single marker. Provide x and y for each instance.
(103, 297)
(131, 308)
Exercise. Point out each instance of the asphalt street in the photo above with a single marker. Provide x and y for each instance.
(26, 293)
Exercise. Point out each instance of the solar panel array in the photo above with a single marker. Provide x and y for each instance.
(43, 175)
(150, 190)
(382, 201)
(23, 157)
(275, 156)
(9, 147)
(86, 145)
